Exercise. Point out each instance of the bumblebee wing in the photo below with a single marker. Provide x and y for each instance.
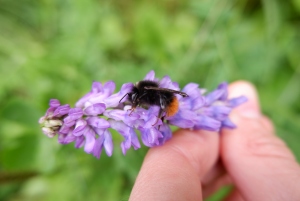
(169, 90)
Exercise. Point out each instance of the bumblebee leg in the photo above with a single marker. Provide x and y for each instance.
(131, 110)
(161, 111)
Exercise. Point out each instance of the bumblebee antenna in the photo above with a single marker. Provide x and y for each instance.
(123, 97)
(169, 90)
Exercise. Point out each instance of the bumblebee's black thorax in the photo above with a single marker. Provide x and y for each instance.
(145, 97)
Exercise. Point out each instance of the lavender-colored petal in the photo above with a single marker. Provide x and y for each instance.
(223, 86)
(109, 88)
(80, 127)
(207, 123)
(227, 123)
(75, 113)
(94, 109)
(198, 103)
(79, 142)
(192, 90)
(61, 110)
(166, 82)
(96, 88)
(150, 75)
(134, 139)
(108, 143)
(98, 146)
(151, 135)
(66, 139)
(139, 123)
(69, 121)
(152, 121)
(129, 140)
(89, 140)
(54, 103)
(64, 129)
(184, 119)
(99, 131)
(192, 103)
(144, 137)
(118, 115)
(119, 126)
(49, 112)
(214, 96)
(61, 138)
(125, 145)
(98, 122)
(218, 112)
(126, 88)
(166, 133)
(234, 102)
(120, 97)
(153, 110)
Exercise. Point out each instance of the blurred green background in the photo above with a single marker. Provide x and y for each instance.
(56, 48)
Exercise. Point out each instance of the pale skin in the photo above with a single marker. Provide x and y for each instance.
(194, 164)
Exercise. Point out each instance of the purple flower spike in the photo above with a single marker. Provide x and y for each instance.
(88, 124)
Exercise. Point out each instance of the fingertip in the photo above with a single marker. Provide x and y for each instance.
(251, 108)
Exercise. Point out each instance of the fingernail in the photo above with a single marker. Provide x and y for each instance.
(251, 108)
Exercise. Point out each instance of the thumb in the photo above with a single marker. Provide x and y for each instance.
(174, 171)
(260, 164)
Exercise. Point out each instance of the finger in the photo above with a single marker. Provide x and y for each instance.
(251, 108)
(174, 171)
(260, 164)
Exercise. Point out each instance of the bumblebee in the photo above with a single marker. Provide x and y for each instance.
(147, 93)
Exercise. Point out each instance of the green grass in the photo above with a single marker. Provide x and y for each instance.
(55, 49)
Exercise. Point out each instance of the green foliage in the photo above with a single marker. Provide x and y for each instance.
(55, 49)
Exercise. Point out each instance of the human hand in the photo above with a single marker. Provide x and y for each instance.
(194, 164)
